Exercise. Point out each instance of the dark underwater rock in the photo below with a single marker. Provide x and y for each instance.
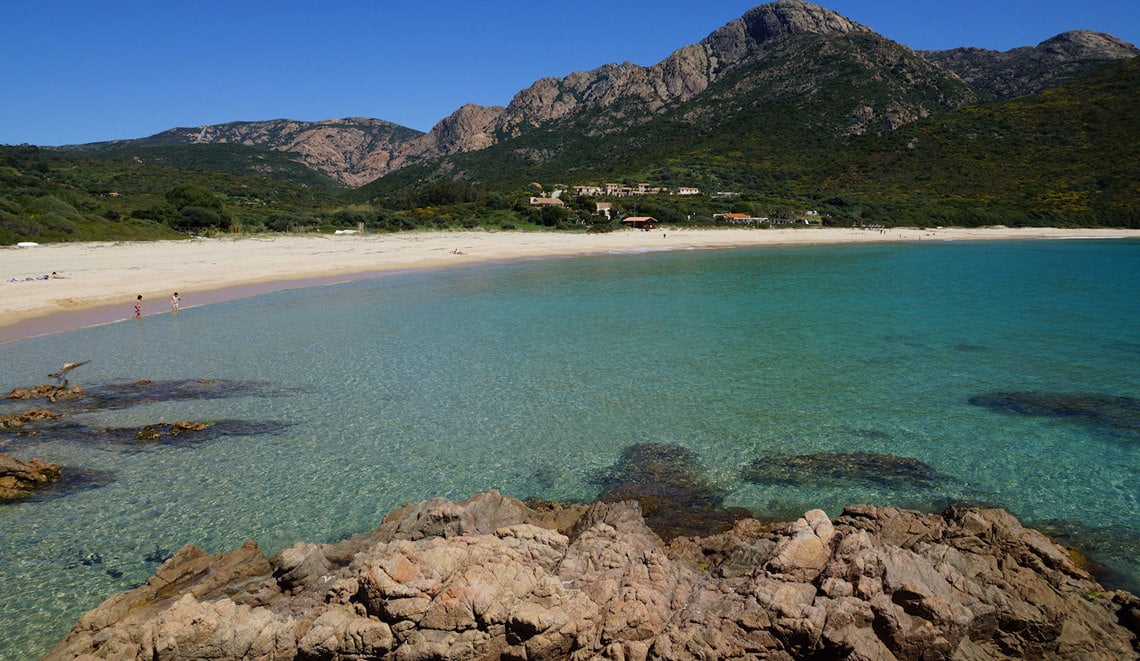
(666, 480)
(1115, 414)
(832, 469)
(1112, 553)
(181, 433)
(124, 395)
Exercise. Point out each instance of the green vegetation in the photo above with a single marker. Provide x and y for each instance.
(1069, 156)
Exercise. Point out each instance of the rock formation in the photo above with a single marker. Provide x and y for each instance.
(493, 578)
(50, 392)
(1033, 69)
(20, 420)
(19, 479)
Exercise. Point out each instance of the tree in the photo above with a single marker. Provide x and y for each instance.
(196, 218)
(189, 195)
(553, 215)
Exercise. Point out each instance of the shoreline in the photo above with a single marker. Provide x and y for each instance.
(100, 280)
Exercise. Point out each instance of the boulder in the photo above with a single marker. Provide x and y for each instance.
(491, 577)
(20, 478)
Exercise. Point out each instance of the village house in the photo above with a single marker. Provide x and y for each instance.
(739, 218)
(688, 190)
(604, 209)
(612, 189)
(546, 202)
(640, 222)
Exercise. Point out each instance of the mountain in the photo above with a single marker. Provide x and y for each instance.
(782, 77)
(353, 151)
(836, 76)
(776, 51)
(1032, 69)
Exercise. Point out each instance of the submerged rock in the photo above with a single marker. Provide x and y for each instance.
(124, 395)
(18, 479)
(180, 433)
(1111, 553)
(492, 578)
(666, 481)
(158, 431)
(829, 469)
(1115, 414)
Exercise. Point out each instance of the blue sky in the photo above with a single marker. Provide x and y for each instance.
(78, 71)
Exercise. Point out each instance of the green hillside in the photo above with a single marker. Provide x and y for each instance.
(1068, 156)
(52, 195)
(220, 157)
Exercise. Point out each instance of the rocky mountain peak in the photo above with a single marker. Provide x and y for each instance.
(786, 17)
(1086, 44)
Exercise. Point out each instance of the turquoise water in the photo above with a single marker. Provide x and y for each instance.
(532, 377)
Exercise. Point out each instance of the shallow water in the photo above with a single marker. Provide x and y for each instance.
(534, 377)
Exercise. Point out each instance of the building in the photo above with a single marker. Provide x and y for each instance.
(688, 190)
(546, 202)
(740, 218)
(604, 209)
(640, 222)
(589, 191)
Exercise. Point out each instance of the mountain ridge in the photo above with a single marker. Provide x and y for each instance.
(1032, 69)
(613, 97)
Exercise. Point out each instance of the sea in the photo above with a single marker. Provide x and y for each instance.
(921, 375)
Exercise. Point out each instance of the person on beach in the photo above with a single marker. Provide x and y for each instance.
(138, 306)
(174, 301)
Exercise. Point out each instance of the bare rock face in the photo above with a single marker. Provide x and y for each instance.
(468, 129)
(493, 578)
(787, 17)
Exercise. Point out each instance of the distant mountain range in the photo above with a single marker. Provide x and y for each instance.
(784, 75)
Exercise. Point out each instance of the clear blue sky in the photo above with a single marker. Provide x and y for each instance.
(77, 71)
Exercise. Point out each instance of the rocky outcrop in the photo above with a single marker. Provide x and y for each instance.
(18, 479)
(1033, 69)
(493, 578)
(50, 392)
(20, 420)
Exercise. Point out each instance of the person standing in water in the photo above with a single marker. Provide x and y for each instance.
(138, 306)
(174, 301)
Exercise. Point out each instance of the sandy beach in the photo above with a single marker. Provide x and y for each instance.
(98, 282)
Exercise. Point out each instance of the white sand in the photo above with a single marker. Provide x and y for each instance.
(108, 276)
